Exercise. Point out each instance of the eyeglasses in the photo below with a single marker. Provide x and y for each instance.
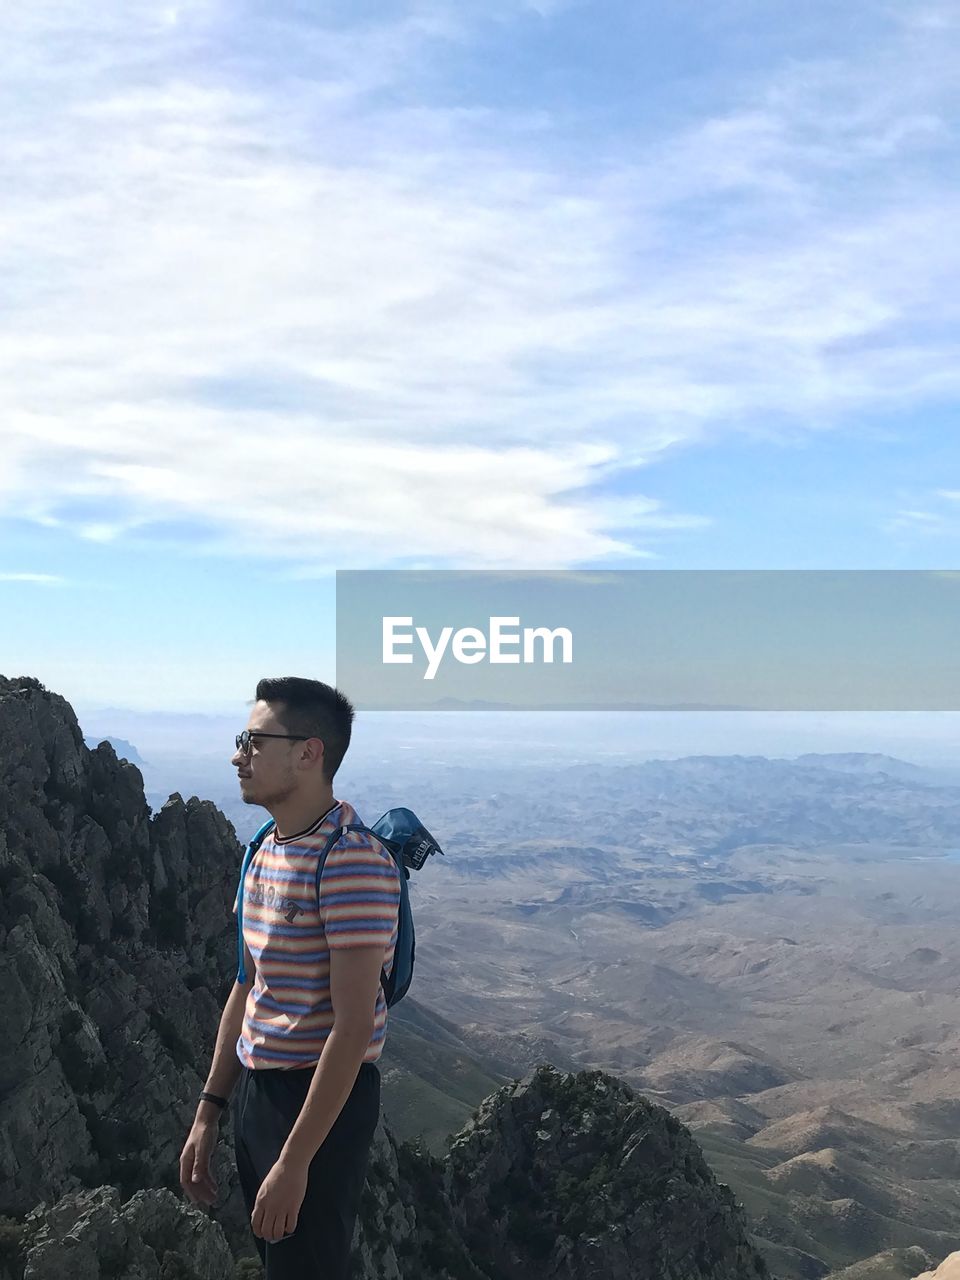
(245, 739)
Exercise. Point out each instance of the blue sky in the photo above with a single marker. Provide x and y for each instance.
(293, 288)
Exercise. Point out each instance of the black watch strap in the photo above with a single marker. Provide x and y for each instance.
(214, 1098)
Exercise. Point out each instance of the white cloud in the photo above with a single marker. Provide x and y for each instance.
(937, 516)
(39, 579)
(912, 519)
(246, 294)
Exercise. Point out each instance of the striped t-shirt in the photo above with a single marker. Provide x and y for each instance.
(288, 1013)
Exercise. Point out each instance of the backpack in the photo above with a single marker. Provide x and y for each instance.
(410, 844)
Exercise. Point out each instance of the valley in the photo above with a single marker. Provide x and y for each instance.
(764, 946)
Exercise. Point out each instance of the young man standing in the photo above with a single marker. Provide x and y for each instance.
(302, 1035)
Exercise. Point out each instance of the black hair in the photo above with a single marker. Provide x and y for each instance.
(312, 708)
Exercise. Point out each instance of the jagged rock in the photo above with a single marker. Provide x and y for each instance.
(557, 1177)
(116, 953)
(92, 1235)
(578, 1176)
(124, 749)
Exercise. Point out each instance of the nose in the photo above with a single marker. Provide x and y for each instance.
(237, 757)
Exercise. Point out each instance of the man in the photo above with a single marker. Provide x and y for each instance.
(302, 1035)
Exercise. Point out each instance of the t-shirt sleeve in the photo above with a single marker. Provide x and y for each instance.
(359, 894)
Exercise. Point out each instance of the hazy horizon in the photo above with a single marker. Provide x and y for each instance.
(928, 739)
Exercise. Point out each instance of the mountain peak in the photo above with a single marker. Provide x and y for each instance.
(578, 1175)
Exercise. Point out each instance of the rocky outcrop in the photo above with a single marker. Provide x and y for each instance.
(115, 957)
(577, 1176)
(124, 749)
(557, 1177)
(91, 1235)
(116, 950)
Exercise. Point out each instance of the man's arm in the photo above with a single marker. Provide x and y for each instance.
(196, 1177)
(354, 982)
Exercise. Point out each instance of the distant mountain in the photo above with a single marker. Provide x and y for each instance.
(869, 764)
(711, 805)
(163, 731)
(125, 750)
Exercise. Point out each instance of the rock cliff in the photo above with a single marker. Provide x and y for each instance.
(115, 957)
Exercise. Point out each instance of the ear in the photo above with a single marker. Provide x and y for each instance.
(311, 753)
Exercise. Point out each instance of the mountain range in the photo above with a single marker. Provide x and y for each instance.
(761, 947)
(117, 951)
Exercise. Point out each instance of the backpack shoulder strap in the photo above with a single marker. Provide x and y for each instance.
(262, 834)
(248, 856)
(332, 840)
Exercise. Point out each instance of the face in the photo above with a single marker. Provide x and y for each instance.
(268, 775)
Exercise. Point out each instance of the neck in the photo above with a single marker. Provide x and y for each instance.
(299, 813)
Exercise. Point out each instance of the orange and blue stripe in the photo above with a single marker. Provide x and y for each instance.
(289, 1013)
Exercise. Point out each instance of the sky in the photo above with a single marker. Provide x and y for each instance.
(526, 284)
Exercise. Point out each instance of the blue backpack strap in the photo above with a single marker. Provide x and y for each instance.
(334, 839)
(248, 857)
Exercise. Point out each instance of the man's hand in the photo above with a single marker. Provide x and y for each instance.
(278, 1201)
(195, 1175)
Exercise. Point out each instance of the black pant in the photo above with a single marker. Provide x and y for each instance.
(268, 1103)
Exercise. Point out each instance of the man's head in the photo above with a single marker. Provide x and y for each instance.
(299, 731)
